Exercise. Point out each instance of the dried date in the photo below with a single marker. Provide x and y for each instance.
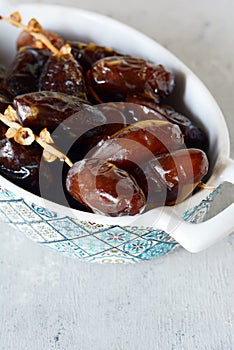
(79, 126)
(170, 178)
(23, 73)
(104, 188)
(20, 163)
(194, 136)
(115, 78)
(46, 109)
(62, 73)
(89, 53)
(138, 142)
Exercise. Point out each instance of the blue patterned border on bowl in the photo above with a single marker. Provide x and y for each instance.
(91, 241)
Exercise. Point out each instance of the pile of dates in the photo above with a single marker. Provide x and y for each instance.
(106, 111)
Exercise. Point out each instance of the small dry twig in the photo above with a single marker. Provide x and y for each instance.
(26, 137)
(206, 187)
(34, 28)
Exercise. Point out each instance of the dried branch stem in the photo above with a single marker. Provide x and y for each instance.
(39, 36)
(9, 123)
(206, 187)
(46, 146)
(51, 149)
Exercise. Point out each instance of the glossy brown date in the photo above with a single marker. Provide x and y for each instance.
(122, 114)
(20, 163)
(62, 73)
(115, 78)
(104, 188)
(170, 178)
(138, 142)
(46, 109)
(88, 54)
(25, 167)
(79, 126)
(130, 112)
(194, 137)
(23, 73)
(82, 126)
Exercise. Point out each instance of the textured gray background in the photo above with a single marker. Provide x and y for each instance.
(181, 301)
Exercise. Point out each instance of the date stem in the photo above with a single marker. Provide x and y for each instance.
(51, 149)
(29, 29)
(48, 147)
(206, 187)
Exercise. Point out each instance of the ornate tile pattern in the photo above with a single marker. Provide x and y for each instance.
(197, 213)
(91, 227)
(91, 245)
(25, 211)
(90, 241)
(115, 236)
(5, 194)
(68, 228)
(157, 250)
(30, 232)
(113, 256)
(68, 248)
(44, 213)
(48, 233)
(136, 247)
(13, 215)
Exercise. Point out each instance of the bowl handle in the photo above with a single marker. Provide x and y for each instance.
(196, 237)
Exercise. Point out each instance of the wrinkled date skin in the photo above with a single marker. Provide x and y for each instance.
(194, 137)
(46, 109)
(26, 39)
(88, 54)
(104, 188)
(170, 178)
(81, 125)
(20, 163)
(23, 73)
(115, 78)
(138, 142)
(62, 73)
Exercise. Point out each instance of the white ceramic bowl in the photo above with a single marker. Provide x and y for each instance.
(97, 238)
